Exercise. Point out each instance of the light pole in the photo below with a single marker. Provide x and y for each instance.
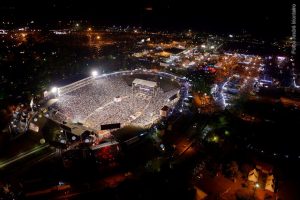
(94, 73)
(54, 91)
(254, 189)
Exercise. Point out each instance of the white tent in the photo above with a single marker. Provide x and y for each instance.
(253, 176)
(270, 177)
(270, 183)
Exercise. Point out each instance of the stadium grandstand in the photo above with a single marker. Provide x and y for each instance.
(109, 99)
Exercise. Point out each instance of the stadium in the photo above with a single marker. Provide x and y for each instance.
(109, 101)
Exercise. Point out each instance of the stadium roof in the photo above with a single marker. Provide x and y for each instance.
(50, 102)
(138, 81)
(75, 129)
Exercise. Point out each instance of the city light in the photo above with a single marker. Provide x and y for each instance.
(93, 87)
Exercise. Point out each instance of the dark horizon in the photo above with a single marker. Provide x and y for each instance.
(261, 19)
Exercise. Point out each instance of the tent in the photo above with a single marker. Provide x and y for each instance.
(270, 183)
(200, 195)
(253, 175)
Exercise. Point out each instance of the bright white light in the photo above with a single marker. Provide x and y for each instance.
(295, 85)
(212, 47)
(94, 73)
(203, 46)
(280, 58)
(54, 90)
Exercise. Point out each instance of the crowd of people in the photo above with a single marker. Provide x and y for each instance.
(94, 105)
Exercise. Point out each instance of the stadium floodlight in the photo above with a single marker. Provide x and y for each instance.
(94, 73)
(54, 90)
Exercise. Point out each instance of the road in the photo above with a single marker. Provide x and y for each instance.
(19, 157)
(18, 165)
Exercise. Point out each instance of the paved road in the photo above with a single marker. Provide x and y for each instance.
(23, 155)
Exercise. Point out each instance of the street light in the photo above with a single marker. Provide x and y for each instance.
(254, 189)
(54, 90)
(94, 73)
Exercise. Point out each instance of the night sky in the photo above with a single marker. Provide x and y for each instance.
(262, 19)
